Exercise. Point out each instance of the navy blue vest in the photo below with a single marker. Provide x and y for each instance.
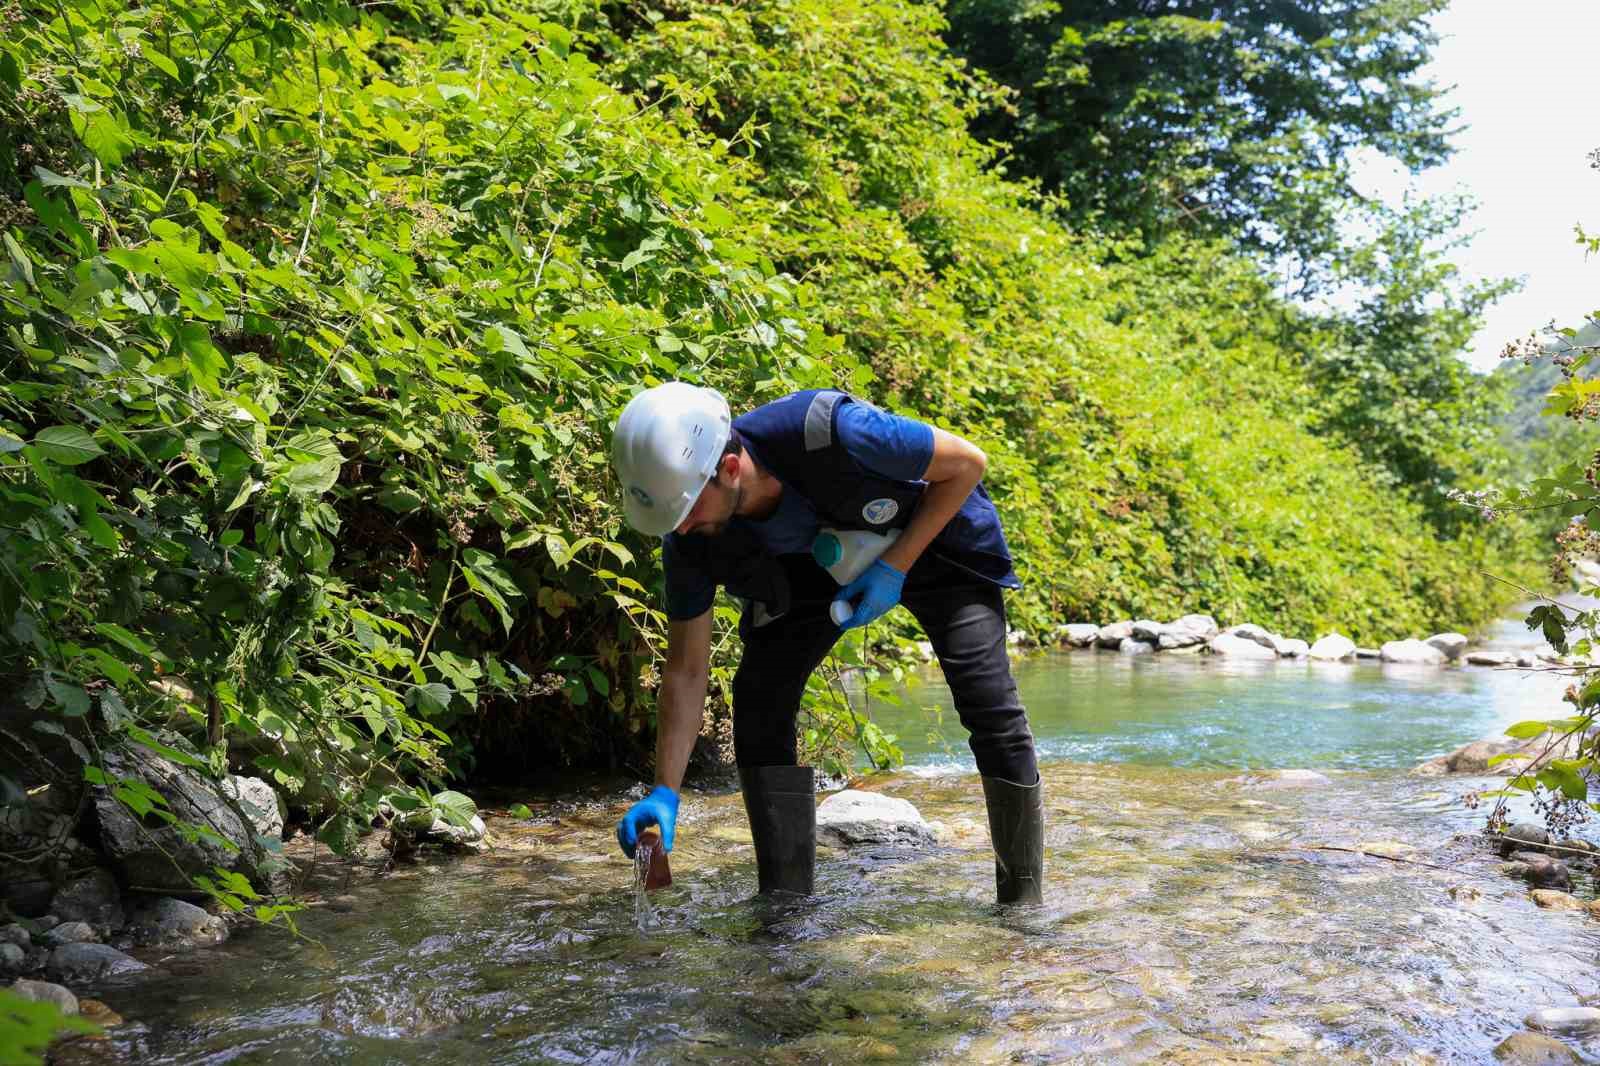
(796, 440)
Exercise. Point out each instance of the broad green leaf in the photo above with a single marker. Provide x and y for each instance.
(67, 445)
(162, 62)
(50, 177)
(455, 808)
(1525, 730)
(106, 138)
(432, 698)
(19, 258)
(312, 477)
(112, 631)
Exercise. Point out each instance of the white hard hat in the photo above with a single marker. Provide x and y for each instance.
(666, 446)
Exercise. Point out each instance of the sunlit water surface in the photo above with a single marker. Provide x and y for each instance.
(1190, 915)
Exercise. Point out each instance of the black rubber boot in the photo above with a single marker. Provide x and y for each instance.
(1016, 828)
(781, 803)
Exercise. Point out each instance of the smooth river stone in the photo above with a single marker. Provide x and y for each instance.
(1534, 1049)
(1232, 646)
(1567, 1020)
(1550, 899)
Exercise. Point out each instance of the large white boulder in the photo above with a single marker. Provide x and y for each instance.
(1078, 634)
(1251, 631)
(1411, 651)
(1147, 630)
(1135, 646)
(1187, 631)
(1112, 635)
(1452, 644)
(1236, 647)
(1290, 647)
(1333, 647)
(857, 817)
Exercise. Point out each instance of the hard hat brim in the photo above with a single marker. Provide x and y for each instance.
(657, 521)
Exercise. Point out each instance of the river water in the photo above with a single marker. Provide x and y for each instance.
(1190, 915)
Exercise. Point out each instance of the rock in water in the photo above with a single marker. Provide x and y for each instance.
(1524, 836)
(1333, 647)
(1566, 1020)
(1543, 871)
(1134, 646)
(470, 836)
(45, 992)
(1190, 630)
(1236, 647)
(1278, 779)
(1534, 1049)
(1411, 651)
(174, 923)
(1112, 636)
(1259, 634)
(1290, 647)
(1551, 900)
(159, 857)
(1147, 630)
(856, 817)
(89, 962)
(1079, 634)
(1450, 644)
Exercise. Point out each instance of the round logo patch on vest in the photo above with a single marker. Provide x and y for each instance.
(880, 511)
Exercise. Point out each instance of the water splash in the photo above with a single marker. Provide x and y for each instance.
(644, 915)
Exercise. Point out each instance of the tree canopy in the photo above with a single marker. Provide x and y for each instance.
(1236, 119)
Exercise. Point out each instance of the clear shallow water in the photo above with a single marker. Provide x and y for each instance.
(1189, 918)
(1101, 706)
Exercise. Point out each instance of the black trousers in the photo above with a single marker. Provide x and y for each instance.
(964, 617)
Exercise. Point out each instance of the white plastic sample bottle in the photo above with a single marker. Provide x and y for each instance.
(846, 554)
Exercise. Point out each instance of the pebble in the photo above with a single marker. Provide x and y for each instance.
(1564, 1020)
(99, 1013)
(12, 957)
(1534, 1049)
(1550, 899)
(1388, 849)
(15, 934)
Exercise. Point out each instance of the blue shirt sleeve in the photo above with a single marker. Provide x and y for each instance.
(690, 592)
(886, 444)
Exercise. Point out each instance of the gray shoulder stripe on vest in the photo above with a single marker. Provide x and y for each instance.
(819, 420)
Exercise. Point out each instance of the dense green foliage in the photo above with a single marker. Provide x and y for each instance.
(1558, 376)
(1234, 119)
(317, 319)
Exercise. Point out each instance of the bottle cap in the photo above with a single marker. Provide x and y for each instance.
(826, 550)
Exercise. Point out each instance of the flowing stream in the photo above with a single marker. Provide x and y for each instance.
(1191, 915)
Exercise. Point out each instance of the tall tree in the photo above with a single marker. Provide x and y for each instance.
(1234, 118)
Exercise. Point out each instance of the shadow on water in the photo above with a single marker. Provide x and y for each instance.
(1189, 916)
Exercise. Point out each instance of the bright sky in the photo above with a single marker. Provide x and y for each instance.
(1528, 89)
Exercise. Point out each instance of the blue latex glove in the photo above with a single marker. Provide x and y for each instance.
(660, 808)
(872, 594)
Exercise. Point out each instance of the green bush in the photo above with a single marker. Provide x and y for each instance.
(317, 318)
